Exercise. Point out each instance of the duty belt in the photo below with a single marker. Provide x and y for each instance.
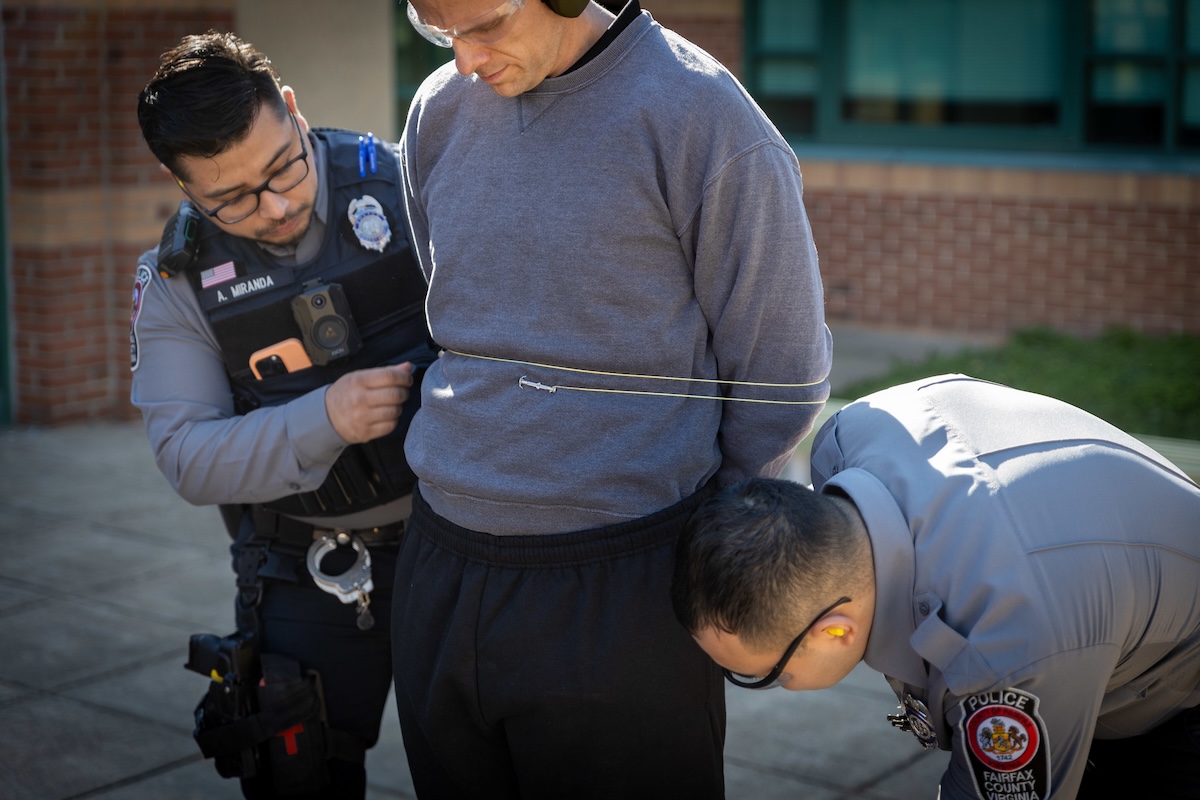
(294, 533)
(353, 585)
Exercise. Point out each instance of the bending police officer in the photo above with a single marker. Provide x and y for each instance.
(1024, 574)
(277, 341)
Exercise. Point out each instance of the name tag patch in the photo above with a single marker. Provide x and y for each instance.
(242, 287)
(1006, 745)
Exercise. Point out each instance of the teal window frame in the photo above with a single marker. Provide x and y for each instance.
(1067, 135)
(415, 59)
(806, 56)
(1180, 54)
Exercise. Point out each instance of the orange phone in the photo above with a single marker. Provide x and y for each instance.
(279, 359)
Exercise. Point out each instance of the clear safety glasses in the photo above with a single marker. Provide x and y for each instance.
(771, 679)
(483, 29)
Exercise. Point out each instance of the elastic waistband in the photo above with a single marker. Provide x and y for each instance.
(557, 549)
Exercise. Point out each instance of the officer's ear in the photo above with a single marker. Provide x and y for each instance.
(836, 630)
(175, 179)
(289, 97)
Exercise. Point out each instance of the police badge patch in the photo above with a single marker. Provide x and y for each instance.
(914, 717)
(369, 223)
(141, 282)
(1006, 746)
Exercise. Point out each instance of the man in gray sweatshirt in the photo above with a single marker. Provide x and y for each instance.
(623, 279)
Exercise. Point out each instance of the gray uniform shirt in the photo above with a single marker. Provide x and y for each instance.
(1021, 544)
(625, 234)
(209, 454)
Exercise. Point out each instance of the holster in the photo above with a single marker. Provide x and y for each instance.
(266, 716)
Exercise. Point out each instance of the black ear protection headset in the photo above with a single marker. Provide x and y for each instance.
(568, 8)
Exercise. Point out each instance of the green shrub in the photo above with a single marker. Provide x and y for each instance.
(1142, 384)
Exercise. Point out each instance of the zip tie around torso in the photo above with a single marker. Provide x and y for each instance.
(525, 383)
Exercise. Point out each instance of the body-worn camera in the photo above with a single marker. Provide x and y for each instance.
(326, 325)
(177, 250)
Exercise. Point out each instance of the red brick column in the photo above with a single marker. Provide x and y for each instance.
(82, 188)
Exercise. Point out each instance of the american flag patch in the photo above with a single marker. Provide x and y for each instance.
(222, 273)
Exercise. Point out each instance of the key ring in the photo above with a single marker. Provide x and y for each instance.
(352, 583)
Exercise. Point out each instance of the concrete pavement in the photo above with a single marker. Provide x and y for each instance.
(104, 574)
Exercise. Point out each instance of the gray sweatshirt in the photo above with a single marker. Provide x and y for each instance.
(608, 254)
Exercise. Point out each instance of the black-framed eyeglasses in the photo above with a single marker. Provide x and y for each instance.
(771, 679)
(282, 180)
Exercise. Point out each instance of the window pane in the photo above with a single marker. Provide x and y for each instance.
(787, 92)
(1191, 97)
(994, 62)
(786, 87)
(787, 76)
(794, 116)
(1189, 129)
(1128, 82)
(1131, 26)
(790, 26)
(1193, 26)
(1127, 104)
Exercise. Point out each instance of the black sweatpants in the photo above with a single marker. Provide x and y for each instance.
(1163, 763)
(318, 630)
(552, 666)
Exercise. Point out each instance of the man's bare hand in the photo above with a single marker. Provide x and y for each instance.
(364, 405)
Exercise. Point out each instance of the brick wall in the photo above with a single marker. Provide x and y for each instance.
(84, 193)
(992, 251)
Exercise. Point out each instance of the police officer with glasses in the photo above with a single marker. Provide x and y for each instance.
(277, 339)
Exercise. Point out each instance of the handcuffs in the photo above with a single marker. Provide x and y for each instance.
(352, 586)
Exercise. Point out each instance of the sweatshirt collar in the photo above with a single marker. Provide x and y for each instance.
(628, 14)
(594, 64)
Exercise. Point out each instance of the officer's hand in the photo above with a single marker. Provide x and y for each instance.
(363, 405)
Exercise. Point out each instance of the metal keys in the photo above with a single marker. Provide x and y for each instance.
(352, 586)
(365, 621)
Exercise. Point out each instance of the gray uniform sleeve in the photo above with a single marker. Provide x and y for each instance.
(207, 453)
(757, 279)
(1069, 689)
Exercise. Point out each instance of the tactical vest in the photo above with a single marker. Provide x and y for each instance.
(248, 299)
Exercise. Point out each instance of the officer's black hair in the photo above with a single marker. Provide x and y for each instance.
(758, 558)
(208, 91)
